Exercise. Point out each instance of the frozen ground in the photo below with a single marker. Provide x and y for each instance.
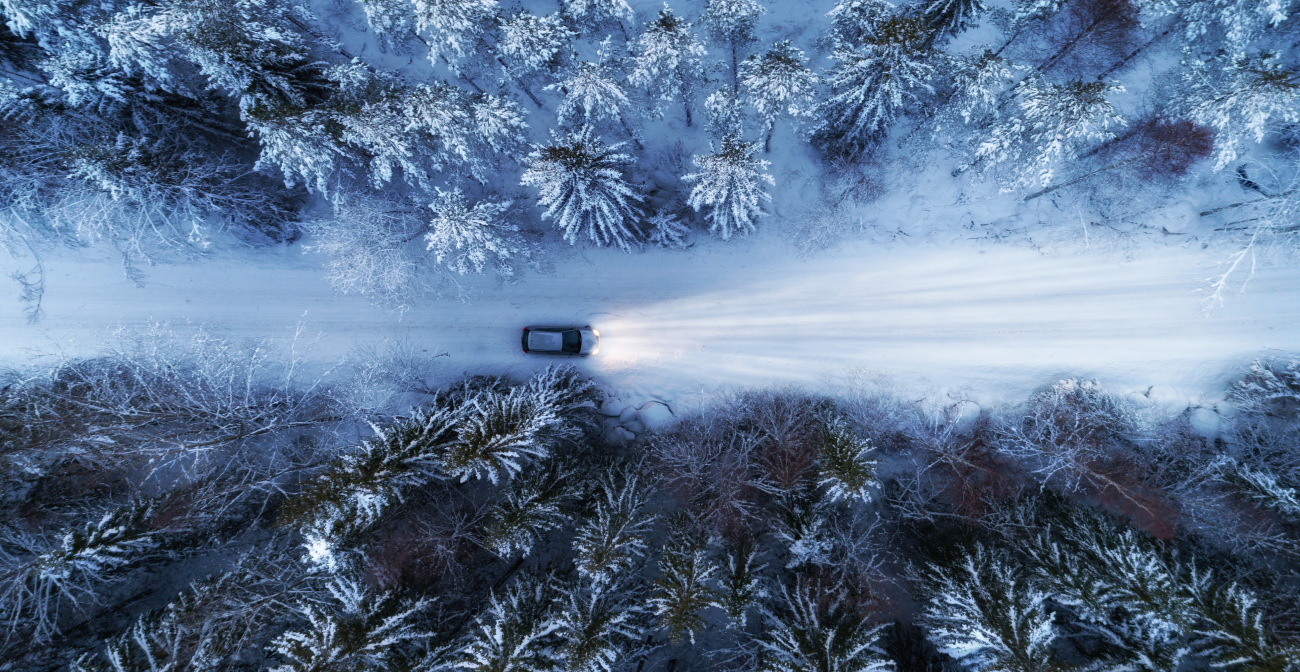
(1001, 319)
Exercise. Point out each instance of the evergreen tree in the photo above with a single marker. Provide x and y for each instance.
(817, 629)
(592, 90)
(666, 230)
(390, 20)
(534, 43)
(846, 469)
(613, 539)
(1244, 99)
(597, 12)
(723, 115)
(1231, 632)
(682, 590)
(731, 23)
(802, 527)
(987, 615)
(583, 188)
(454, 27)
(872, 81)
(853, 20)
(730, 185)
(46, 577)
(976, 87)
(1054, 121)
(517, 631)
(599, 623)
(951, 16)
(740, 585)
(531, 507)
(669, 60)
(464, 237)
(778, 83)
(361, 630)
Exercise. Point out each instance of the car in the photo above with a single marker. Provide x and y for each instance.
(561, 340)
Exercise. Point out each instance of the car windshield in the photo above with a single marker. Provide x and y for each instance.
(573, 341)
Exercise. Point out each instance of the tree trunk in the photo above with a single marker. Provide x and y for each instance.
(686, 101)
(1119, 64)
(767, 142)
(735, 71)
(518, 82)
(1081, 178)
(628, 130)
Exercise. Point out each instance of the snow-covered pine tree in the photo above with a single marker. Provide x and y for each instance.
(1231, 631)
(533, 43)
(43, 577)
(464, 237)
(1242, 100)
(516, 632)
(683, 588)
(723, 115)
(1053, 122)
(584, 189)
(845, 465)
(740, 583)
(391, 20)
(730, 183)
(977, 84)
(359, 629)
(777, 83)
(852, 20)
(531, 507)
(454, 27)
(592, 90)
(613, 539)
(1262, 487)
(355, 490)
(463, 129)
(666, 230)
(814, 628)
(873, 81)
(669, 60)
(732, 24)
(597, 12)
(986, 614)
(802, 527)
(951, 16)
(599, 624)
(1231, 25)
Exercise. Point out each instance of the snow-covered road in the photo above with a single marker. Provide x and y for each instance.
(999, 319)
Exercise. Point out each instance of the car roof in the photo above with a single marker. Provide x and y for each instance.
(552, 341)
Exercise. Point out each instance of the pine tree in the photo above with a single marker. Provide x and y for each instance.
(1242, 100)
(682, 590)
(817, 629)
(977, 85)
(1229, 25)
(599, 623)
(740, 585)
(987, 615)
(454, 27)
(951, 16)
(464, 237)
(362, 630)
(666, 230)
(390, 20)
(778, 83)
(1231, 632)
(597, 12)
(612, 540)
(873, 81)
(358, 488)
(669, 60)
(592, 90)
(530, 508)
(534, 43)
(730, 185)
(583, 188)
(846, 469)
(732, 23)
(853, 20)
(516, 632)
(36, 584)
(723, 115)
(1054, 122)
(802, 527)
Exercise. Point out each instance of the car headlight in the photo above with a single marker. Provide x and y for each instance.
(596, 332)
(595, 350)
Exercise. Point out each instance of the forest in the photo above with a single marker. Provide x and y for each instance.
(186, 503)
(412, 142)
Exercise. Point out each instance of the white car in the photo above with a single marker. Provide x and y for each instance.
(561, 340)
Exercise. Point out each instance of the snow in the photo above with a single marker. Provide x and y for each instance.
(678, 325)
